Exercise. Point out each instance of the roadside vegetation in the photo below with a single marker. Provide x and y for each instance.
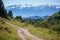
(38, 31)
(7, 32)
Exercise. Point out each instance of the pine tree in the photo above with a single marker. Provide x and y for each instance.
(18, 18)
(10, 14)
(3, 12)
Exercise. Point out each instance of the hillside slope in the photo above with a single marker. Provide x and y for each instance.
(53, 22)
(38, 31)
(7, 32)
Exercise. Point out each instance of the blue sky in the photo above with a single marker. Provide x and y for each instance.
(31, 2)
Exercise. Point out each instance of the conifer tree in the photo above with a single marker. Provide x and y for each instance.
(3, 12)
(10, 14)
(18, 18)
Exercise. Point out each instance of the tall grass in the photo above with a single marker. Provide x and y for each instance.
(7, 32)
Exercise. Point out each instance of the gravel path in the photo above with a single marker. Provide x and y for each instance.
(24, 34)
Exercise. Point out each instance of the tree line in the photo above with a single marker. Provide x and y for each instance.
(5, 14)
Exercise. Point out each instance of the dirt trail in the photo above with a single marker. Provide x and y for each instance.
(24, 34)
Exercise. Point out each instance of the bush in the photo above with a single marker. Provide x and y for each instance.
(56, 28)
(8, 30)
(1, 27)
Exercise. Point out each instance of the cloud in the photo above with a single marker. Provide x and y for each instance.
(13, 7)
(57, 6)
(49, 4)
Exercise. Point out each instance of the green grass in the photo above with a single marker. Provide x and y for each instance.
(39, 32)
(18, 23)
(45, 33)
(7, 32)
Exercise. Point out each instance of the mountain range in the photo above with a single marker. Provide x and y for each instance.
(27, 11)
(37, 17)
